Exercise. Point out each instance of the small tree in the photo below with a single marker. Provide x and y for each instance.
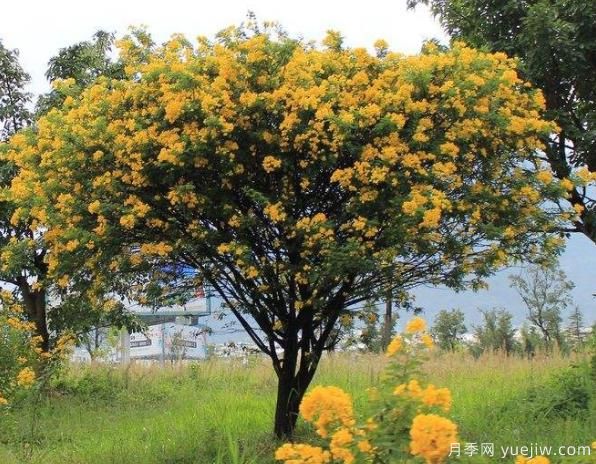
(575, 328)
(497, 332)
(297, 181)
(448, 328)
(531, 341)
(545, 291)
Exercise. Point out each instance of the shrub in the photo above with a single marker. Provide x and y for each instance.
(19, 352)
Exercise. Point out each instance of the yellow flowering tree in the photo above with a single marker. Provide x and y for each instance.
(296, 180)
(23, 251)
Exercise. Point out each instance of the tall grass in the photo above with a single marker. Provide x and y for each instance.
(220, 411)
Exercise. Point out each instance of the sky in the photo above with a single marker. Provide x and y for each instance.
(40, 28)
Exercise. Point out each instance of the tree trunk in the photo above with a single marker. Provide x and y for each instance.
(387, 321)
(290, 391)
(36, 308)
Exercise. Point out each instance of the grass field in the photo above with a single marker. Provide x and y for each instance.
(221, 411)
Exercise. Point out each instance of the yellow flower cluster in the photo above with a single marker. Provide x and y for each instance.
(394, 346)
(431, 437)
(275, 212)
(326, 406)
(271, 163)
(430, 396)
(302, 454)
(26, 377)
(416, 325)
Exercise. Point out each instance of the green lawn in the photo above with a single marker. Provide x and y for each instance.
(210, 411)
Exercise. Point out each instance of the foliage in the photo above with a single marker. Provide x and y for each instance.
(297, 181)
(448, 328)
(497, 333)
(83, 62)
(14, 114)
(531, 341)
(556, 43)
(568, 393)
(575, 329)
(23, 361)
(545, 291)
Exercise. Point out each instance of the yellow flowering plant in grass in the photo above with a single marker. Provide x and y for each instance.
(405, 415)
(23, 362)
(19, 350)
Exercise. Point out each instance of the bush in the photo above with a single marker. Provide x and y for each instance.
(567, 394)
(19, 352)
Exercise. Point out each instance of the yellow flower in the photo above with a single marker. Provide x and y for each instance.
(63, 281)
(275, 212)
(26, 377)
(365, 446)
(441, 397)
(431, 437)
(299, 453)
(400, 389)
(431, 218)
(3, 401)
(127, 221)
(535, 460)
(416, 325)
(394, 346)
(324, 406)
(584, 175)
(545, 177)
(339, 443)
(271, 163)
(566, 184)
(539, 460)
(427, 340)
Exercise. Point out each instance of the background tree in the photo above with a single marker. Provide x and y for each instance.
(575, 330)
(14, 99)
(23, 252)
(21, 258)
(530, 340)
(370, 335)
(556, 43)
(448, 328)
(83, 62)
(545, 291)
(297, 181)
(496, 333)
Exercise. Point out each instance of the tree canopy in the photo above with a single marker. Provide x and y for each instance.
(297, 180)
